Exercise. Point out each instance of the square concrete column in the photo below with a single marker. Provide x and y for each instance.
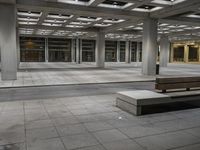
(149, 46)
(18, 48)
(127, 52)
(186, 54)
(8, 42)
(164, 50)
(199, 53)
(118, 51)
(100, 50)
(73, 52)
(77, 51)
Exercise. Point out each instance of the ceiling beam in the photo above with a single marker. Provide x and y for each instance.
(137, 4)
(189, 38)
(181, 21)
(121, 25)
(96, 2)
(189, 5)
(78, 9)
(183, 32)
(43, 17)
(58, 28)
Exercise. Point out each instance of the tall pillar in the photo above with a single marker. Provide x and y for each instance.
(18, 48)
(46, 50)
(199, 53)
(186, 53)
(127, 53)
(77, 51)
(73, 56)
(138, 52)
(100, 50)
(149, 46)
(8, 44)
(118, 51)
(164, 50)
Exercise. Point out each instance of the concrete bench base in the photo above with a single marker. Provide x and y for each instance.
(132, 101)
(133, 109)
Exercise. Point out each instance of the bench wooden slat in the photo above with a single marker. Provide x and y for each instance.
(177, 85)
(162, 80)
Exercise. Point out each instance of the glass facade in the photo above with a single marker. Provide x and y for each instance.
(187, 52)
(122, 51)
(140, 52)
(193, 53)
(59, 50)
(37, 49)
(179, 53)
(111, 51)
(133, 51)
(88, 50)
(32, 49)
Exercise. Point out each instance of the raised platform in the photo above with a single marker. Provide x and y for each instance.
(135, 101)
(132, 101)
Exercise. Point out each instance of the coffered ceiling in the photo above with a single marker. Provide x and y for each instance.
(119, 19)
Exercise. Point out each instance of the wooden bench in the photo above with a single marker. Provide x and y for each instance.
(169, 83)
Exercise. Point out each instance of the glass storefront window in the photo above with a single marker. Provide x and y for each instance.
(32, 49)
(88, 50)
(140, 51)
(133, 51)
(179, 53)
(111, 51)
(193, 53)
(122, 51)
(59, 50)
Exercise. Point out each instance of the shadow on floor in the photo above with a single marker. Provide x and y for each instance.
(167, 107)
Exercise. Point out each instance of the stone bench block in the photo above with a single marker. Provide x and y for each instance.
(132, 101)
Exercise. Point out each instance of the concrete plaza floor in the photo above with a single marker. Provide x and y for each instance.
(93, 123)
(84, 116)
(40, 74)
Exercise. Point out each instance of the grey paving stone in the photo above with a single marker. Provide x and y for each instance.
(140, 130)
(123, 122)
(41, 133)
(12, 134)
(49, 144)
(194, 131)
(36, 116)
(190, 147)
(109, 135)
(65, 120)
(123, 145)
(97, 147)
(167, 140)
(98, 126)
(71, 129)
(79, 141)
(39, 124)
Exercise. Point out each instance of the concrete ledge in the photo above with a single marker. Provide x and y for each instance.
(134, 101)
(133, 109)
(143, 97)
